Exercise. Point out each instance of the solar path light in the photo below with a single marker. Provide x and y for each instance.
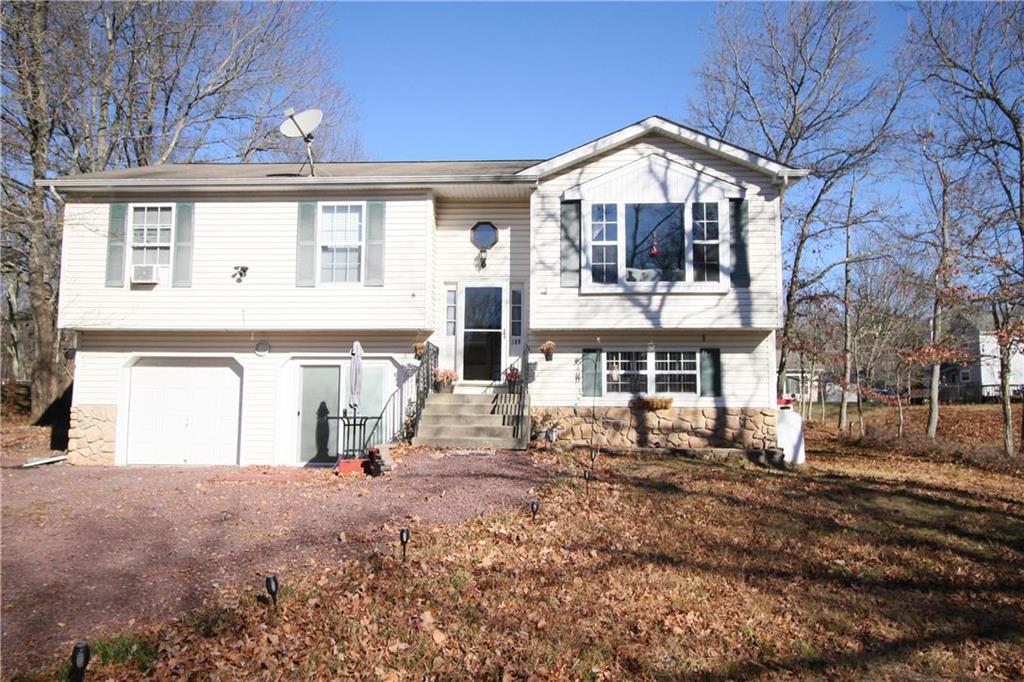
(80, 656)
(403, 537)
(272, 588)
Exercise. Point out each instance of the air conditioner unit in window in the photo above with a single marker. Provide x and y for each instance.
(145, 274)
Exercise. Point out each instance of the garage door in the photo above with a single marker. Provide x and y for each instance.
(184, 412)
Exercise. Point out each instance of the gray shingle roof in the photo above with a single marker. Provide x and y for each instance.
(354, 170)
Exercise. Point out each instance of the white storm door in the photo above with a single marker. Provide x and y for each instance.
(483, 331)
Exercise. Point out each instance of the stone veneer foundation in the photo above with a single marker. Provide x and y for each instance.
(685, 427)
(91, 437)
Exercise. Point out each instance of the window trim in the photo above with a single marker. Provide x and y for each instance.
(130, 241)
(589, 286)
(361, 282)
(651, 370)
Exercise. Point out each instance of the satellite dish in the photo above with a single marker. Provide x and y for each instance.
(302, 125)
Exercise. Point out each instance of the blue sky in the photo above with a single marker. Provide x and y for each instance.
(519, 80)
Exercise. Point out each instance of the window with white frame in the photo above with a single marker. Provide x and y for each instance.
(151, 235)
(604, 243)
(341, 242)
(450, 311)
(651, 372)
(655, 244)
(626, 371)
(516, 314)
(675, 371)
(705, 242)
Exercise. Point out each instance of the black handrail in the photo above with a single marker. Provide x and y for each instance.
(424, 382)
(521, 425)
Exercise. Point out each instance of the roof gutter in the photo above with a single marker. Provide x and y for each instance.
(277, 183)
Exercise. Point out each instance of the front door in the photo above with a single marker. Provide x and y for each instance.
(484, 313)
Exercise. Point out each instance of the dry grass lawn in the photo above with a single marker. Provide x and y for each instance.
(858, 566)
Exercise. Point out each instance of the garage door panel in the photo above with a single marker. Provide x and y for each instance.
(183, 412)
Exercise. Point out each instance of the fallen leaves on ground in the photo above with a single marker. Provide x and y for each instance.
(667, 568)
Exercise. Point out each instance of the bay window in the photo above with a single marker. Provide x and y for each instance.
(665, 246)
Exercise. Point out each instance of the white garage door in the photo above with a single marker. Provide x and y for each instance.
(183, 412)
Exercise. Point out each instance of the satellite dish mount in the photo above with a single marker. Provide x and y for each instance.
(302, 125)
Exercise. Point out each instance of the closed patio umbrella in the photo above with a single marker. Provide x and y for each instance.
(355, 377)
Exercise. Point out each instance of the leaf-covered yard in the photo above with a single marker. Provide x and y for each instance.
(860, 565)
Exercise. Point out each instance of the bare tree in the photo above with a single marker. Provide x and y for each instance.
(790, 81)
(98, 85)
(973, 59)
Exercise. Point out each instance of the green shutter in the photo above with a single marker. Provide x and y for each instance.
(740, 261)
(375, 244)
(571, 243)
(181, 276)
(710, 372)
(305, 245)
(592, 369)
(116, 245)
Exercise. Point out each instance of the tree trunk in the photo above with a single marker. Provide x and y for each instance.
(899, 408)
(1005, 396)
(847, 322)
(938, 281)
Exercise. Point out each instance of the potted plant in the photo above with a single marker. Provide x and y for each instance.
(548, 349)
(419, 349)
(650, 403)
(512, 378)
(444, 380)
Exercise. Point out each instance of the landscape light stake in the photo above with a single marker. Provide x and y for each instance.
(80, 656)
(586, 477)
(535, 507)
(403, 537)
(593, 457)
(272, 588)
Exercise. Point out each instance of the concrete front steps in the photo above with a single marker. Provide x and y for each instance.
(460, 420)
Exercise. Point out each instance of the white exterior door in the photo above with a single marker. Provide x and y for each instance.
(183, 412)
(482, 331)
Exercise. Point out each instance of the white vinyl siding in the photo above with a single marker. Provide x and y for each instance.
(269, 398)
(722, 306)
(748, 371)
(261, 236)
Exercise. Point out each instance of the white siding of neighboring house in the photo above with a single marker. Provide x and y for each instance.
(748, 371)
(260, 235)
(455, 256)
(555, 307)
(269, 387)
(988, 362)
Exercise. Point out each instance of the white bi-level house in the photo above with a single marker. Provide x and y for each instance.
(217, 305)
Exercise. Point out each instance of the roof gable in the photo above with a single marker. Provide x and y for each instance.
(663, 126)
(655, 178)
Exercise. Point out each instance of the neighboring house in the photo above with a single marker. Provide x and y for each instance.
(980, 379)
(216, 304)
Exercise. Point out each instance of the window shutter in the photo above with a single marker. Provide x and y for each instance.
(183, 231)
(305, 246)
(710, 372)
(740, 261)
(571, 243)
(592, 368)
(375, 244)
(116, 245)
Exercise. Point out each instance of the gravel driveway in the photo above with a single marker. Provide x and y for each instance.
(88, 550)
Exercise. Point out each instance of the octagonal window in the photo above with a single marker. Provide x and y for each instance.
(484, 235)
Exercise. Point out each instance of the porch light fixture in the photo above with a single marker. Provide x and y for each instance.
(262, 347)
(272, 588)
(403, 537)
(80, 656)
(483, 235)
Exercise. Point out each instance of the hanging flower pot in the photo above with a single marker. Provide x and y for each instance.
(419, 349)
(548, 349)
